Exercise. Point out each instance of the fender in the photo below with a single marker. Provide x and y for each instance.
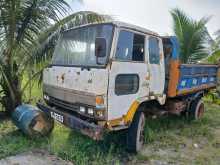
(128, 117)
(125, 119)
(131, 112)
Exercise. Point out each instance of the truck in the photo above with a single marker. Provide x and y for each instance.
(110, 76)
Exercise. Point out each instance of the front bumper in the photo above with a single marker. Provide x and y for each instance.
(92, 130)
(75, 107)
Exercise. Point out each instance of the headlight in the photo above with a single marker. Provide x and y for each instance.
(90, 111)
(82, 109)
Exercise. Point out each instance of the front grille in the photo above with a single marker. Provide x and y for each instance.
(64, 104)
(74, 108)
(70, 96)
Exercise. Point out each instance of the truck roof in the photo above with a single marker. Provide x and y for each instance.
(133, 27)
(123, 25)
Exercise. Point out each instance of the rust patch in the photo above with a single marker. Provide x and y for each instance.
(114, 122)
(90, 81)
(40, 124)
(161, 56)
(147, 77)
(174, 78)
(175, 106)
(94, 134)
(63, 77)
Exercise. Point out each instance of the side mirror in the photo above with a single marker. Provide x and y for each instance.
(100, 47)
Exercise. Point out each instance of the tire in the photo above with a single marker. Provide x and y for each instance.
(197, 109)
(135, 135)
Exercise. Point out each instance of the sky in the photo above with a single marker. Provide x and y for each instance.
(153, 14)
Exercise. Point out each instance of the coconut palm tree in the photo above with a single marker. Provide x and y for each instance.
(216, 43)
(28, 32)
(192, 35)
(215, 49)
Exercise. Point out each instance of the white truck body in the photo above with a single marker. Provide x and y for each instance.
(109, 76)
(67, 82)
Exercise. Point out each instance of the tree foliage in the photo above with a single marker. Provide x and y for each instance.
(214, 57)
(215, 48)
(192, 36)
(28, 31)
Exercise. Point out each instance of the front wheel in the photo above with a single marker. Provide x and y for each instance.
(135, 136)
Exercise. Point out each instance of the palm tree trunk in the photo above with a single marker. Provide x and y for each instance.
(11, 84)
(12, 100)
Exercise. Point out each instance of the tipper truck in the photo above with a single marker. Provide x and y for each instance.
(109, 76)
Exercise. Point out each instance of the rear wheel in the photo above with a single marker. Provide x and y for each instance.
(135, 136)
(197, 109)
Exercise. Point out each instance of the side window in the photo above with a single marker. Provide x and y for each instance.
(124, 46)
(130, 46)
(154, 50)
(126, 84)
(138, 48)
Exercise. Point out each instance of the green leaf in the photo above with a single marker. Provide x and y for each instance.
(192, 36)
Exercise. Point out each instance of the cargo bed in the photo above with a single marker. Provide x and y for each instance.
(184, 79)
(190, 78)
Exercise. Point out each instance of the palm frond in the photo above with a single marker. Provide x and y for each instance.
(43, 49)
(192, 36)
(29, 30)
(214, 58)
(47, 39)
(217, 34)
(21, 22)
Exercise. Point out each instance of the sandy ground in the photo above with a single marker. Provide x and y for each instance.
(39, 157)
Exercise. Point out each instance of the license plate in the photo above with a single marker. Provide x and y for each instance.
(57, 117)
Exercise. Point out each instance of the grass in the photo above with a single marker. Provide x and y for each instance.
(63, 142)
(178, 140)
(173, 140)
(169, 139)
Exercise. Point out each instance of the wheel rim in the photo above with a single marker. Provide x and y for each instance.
(141, 138)
(140, 133)
(200, 111)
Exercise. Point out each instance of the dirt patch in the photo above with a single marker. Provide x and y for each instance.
(188, 151)
(37, 157)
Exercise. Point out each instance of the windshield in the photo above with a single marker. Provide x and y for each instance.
(77, 46)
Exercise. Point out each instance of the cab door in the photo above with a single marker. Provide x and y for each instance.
(156, 65)
(127, 76)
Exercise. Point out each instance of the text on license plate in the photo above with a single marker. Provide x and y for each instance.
(57, 116)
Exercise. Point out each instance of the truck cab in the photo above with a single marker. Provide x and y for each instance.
(101, 75)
